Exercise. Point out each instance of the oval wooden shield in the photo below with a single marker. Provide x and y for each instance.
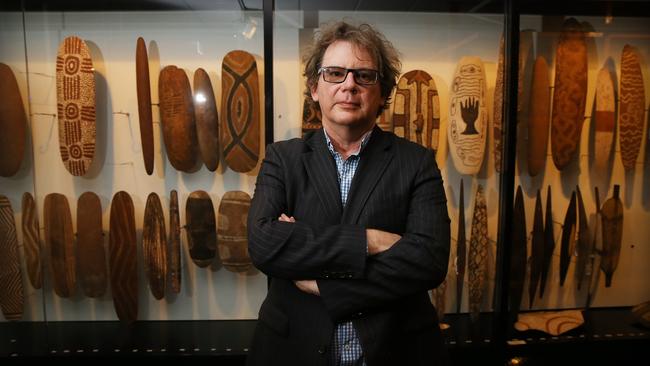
(75, 94)
(91, 253)
(144, 103)
(538, 118)
(60, 241)
(478, 255)
(174, 244)
(604, 119)
(568, 238)
(240, 111)
(13, 123)
(232, 231)
(416, 109)
(498, 108)
(517, 253)
(123, 257)
(632, 106)
(537, 250)
(11, 282)
(154, 246)
(207, 119)
(32, 241)
(612, 224)
(311, 116)
(201, 228)
(468, 118)
(569, 94)
(177, 117)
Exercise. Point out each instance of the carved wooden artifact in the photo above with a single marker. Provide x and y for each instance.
(75, 94)
(538, 118)
(144, 103)
(583, 247)
(568, 238)
(478, 255)
(518, 253)
(497, 128)
(549, 242)
(201, 228)
(177, 117)
(569, 94)
(551, 322)
(461, 250)
(232, 233)
(604, 119)
(468, 118)
(174, 243)
(123, 260)
(32, 241)
(59, 240)
(537, 250)
(13, 123)
(240, 111)
(612, 220)
(11, 283)
(207, 119)
(91, 255)
(154, 246)
(632, 105)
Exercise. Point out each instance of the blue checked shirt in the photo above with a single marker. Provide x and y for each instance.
(346, 348)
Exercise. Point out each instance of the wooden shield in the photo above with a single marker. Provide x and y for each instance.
(11, 282)
(461, 249)
(568, 238)
(177, 117)
(60, 241)
(604, 119)
(154, 246)
(478, 255)
(583, 247)
(144, 103)
(123, 257)
(537, 250)
(207, 120)
(240, 111)
(75, 94)
(311, 116)
(201, 228)
(174, 244)
(91, 255)
(468, 118)
(569, 94)
(612, 224)
(518, 253)
(497, 127)
(232, 231)
(632, 99)
(13, 123)
(551, 322)
(416, 112)
(538, 118)
(549, 242)
(32, 241)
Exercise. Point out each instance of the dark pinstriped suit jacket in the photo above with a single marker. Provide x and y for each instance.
(397, 188)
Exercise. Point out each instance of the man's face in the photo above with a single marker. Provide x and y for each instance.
(347, 103)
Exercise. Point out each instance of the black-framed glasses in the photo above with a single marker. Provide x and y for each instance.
(337, 75)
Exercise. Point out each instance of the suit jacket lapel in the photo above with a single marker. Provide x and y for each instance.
(375, 158)
(321, 170)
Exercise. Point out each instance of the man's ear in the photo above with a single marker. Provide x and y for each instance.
(313, 89)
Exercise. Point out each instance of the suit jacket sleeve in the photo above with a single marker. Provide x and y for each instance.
(415, 263)
(297, 250)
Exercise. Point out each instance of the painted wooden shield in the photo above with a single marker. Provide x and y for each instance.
(154, 246)
(177, 117)
(59, 240)
(11, 282)
(123, 257)
(144, 104)
(612, 224)
(201, 228)
(604, 119)
(311, 116)
(232, 231)
(75, 94)
(174, 244)
(91, 254)
(461, 249)
(240, 111)
(13, 123)
(518, 253)
(538, 118)
(497, 127)
(478, 255)
(569, 238)
(537, 250)
(32, 241)
(551, 322)
(207, 119)
(569, 94)
(467, 130)
(416, 112)
(549, 242)
(632, 105)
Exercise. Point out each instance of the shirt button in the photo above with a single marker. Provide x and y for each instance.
(321, 350)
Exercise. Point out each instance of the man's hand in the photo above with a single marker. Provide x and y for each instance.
(379, 241)
(308, 286)
(285, 218)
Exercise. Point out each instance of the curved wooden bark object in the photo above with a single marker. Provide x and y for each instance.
(207, 119)
(478, 252)
(232, 231)
(632, 106)
(144, 104)
(537, 250)
(91, 255)
(461, 250)
(11, 284)
(123, 259)
(518, 253)
(568, 238)
(13, 123)
(59, 239)
(154, 246)
(201, 228)
(612, 223)
(549, 242)
(32, 241)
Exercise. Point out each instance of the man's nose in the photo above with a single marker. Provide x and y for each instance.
(350, 82)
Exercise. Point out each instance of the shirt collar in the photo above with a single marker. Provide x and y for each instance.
(364, 142)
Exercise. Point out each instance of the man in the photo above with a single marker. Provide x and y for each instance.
(350, 223)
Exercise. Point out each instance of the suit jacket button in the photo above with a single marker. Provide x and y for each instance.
(321, 350)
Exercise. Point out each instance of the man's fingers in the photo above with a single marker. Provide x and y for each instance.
(285, 218)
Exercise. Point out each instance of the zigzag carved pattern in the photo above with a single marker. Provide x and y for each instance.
(632, 105)
(123, 257)
(32, 241)
(11, 289)
(478, 254)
